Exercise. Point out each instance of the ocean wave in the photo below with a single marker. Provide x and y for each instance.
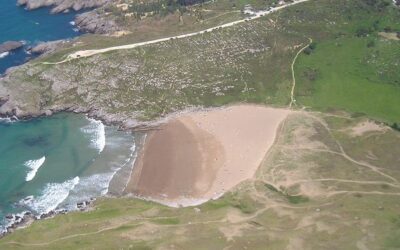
(52, 196)
(34, 166)
(4, 54)
(88, 187)
(95, 185)
(97, 131)
(132, 159)
(6, 120)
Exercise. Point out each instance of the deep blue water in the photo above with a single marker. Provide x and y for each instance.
(35, 26)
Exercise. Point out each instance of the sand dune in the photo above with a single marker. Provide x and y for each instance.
(200, 155)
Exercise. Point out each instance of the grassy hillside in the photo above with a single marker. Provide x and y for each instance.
(350, 67)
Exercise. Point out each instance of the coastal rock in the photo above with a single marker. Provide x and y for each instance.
(48, 112)
(47, 47)
(62, 5)
(94, 23)
(11, 106)
(10, 45)
(9, 216)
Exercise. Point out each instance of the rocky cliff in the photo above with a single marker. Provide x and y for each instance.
(94, 23)
(62, 5)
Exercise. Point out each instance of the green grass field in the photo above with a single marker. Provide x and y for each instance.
(353, 68)
(343, 76)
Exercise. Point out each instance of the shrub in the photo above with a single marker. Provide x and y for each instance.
(371, 44)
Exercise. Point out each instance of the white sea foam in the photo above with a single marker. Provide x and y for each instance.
(89, 186)
(52, 195)
(5, 120)
(97, 131)
(95, 185)
(4, 54)
(72, 23)
(34, 166)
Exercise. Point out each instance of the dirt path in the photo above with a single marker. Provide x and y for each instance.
(87, 53)
(348, 181)
(292, 100)
(347, 157)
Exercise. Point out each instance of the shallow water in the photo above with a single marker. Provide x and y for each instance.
(32, 27)
(57, 161)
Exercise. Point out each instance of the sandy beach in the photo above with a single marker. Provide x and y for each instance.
(199, 156)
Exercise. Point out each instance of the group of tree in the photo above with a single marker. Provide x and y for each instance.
(310, 48)
(395, 126)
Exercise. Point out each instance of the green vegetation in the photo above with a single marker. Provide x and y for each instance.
(296, 199)
(353, 68)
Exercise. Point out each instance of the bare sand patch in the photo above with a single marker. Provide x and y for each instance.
(365, 127)
(121, 33)
(199, 156)
(389, 35)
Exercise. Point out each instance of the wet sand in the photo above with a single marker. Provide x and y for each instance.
(200, 155)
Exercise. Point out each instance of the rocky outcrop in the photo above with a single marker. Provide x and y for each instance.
(95, 23)
(16, 221)
(47, 47)
(62, 5)
(9, 46)
(91, 21)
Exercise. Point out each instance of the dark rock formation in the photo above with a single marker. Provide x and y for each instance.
(47, 47)
(94, 23)
(10, 45)
(62, 5)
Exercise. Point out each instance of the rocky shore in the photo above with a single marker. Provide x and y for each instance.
(45, 48)
(92, 22)
(10, 46)
(89, 21)
(21, 220)
(62, 5)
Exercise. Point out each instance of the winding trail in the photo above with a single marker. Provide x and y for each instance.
(292, 100)
(87, 53)
(348, 181)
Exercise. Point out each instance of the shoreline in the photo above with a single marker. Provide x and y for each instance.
(26, 218)
(46, 30)
(15, 220)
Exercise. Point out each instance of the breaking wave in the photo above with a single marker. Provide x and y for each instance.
(52, 195)
(34, 166)
(98, 134)
(4, 54)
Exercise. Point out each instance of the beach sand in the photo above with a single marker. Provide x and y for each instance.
(199, 156)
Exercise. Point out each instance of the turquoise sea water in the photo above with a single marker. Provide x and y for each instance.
(57, 161)
(32, 27)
